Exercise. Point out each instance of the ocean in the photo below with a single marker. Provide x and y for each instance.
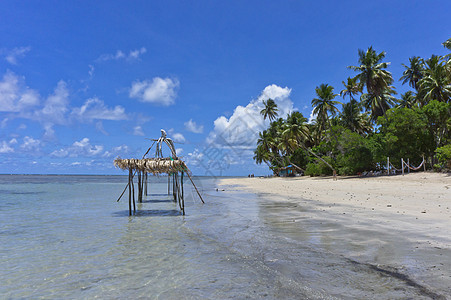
(66, 237)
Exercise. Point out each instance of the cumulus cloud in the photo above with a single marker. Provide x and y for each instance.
(79, 148)
(312, 118)
(5, 147)
(15, 96)
(162, 91)
(117, 151)
(132, 55)
(12, 55)
(179, 151)
(240, 130)
(30, 144)
(137, 130)
(95, 109)
(56, 106)
(191, 126)
(178, 137)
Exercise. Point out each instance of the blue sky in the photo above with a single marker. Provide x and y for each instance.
(82, 82)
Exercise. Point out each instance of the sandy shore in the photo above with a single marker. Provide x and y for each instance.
(401, 222)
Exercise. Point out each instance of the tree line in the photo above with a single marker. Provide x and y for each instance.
(373, 123)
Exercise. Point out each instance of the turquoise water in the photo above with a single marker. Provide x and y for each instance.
(67, 237)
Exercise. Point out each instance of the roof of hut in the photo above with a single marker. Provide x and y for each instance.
(155, 165)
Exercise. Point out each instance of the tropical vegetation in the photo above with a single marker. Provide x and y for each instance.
(371, 123)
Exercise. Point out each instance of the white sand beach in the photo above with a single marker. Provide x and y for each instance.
(400, 222)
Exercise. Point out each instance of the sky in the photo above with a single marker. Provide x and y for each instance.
(85, 82)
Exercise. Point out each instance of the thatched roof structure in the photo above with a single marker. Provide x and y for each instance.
(154, 166)
(157, 165)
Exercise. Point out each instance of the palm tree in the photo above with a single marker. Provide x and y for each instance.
(408, 100)
(435, 84)
(351, 118)
(378, 105)
(270, 110)
(352, 87)
(447, 44)
(414, 72)
(372, 73)
(377, 81)
(324, 104)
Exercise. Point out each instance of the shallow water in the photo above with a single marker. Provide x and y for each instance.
(67, 237)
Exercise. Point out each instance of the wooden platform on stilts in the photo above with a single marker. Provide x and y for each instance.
(174, 167)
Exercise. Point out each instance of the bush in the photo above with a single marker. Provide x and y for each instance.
(319, 168)
(444, 157)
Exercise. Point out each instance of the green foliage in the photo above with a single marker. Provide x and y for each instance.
(355, 155)
(438, 118)
(405, 135)
(444, 156)
(364, 133)
(319, 168)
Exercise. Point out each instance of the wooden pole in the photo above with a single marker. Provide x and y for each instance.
(402, 166)
(129, 192)
(133, 194)
(424, 164)
(139, 187)
(169, 182)
(145, 183)
(183, 199)
(195, 187)
(408, 166)
(388, 165)
(174, 186)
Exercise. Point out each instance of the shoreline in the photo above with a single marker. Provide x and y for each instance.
(394, 222)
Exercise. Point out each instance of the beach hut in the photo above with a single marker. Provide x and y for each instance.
(288, 171)
(174, 167)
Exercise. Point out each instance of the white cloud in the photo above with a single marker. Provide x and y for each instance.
(79, 148)
(179, 151)
(191, 126)
(117, 151)
(137, 130)
(195, 157)
(161, 91)
(240, 131)
(312, 118)
(56, 105)
(30, 144)
(5, 147)
(14, 54)
(99, 127)
(14, 96)
(95, 109)
(178, 137)
(132, 55)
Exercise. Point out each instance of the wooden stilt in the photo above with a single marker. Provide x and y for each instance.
(182, 196)
(169, 182)
(195, 187)
(139, 187)
(174, 182)
(133, 194)
(145, 183)
(129, 193)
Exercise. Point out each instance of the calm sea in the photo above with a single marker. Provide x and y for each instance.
(66, 237)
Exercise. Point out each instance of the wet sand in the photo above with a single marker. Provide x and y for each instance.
(399, 225)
